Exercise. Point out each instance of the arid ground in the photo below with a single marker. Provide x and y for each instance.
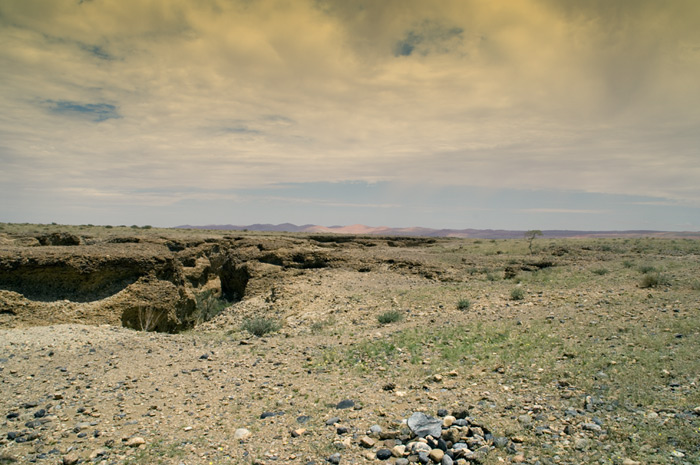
(145, 346)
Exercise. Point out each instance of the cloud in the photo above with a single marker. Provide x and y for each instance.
(96, 112)
(564, 210)
(429, 38)
(97, 51)
(530, 94)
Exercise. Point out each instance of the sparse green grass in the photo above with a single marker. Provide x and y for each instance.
(600, 271)
(158, 452)
(318, 326)
(391, 316)
(209, 305)
(464, 304)
(260, 326)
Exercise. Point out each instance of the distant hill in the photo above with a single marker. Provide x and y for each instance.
(428, 232)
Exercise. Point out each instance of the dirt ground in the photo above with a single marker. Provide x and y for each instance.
(583, 352)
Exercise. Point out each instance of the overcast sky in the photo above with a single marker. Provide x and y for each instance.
(517, 114)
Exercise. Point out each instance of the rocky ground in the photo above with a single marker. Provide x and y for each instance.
(383, 351)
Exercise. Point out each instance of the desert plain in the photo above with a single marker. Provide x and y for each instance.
(139, 345)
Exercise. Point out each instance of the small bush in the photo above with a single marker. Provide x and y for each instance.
(628, 263)
(695, 285)
(600, 271)
(517, 293)
(650, 280)
(260, 326)
(392, 316)
(464, 304)
(646, 269)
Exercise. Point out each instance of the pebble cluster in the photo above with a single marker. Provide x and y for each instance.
(446, 440)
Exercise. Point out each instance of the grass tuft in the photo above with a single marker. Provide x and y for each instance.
(260, 326)
(517, 294)
(651, 280)
(647, 269)
(464, 304)
(209, 305)
(392, 316)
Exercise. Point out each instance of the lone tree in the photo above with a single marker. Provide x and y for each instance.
(530, 237)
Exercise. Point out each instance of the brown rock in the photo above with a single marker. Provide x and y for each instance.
(436, 455)
(135, 441)
(367, 442)
(71, 458)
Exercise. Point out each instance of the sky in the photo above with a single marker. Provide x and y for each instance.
(509, 114)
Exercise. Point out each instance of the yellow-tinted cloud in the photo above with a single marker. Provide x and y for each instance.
(595, 96)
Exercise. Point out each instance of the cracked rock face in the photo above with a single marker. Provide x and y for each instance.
(159, 283)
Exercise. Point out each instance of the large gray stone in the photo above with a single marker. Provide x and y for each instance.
(423, 425)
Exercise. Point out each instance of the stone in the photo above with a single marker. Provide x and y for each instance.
(98, 453)
(446, 460)
(592, 427)
(344, 444)
(375, 429)
(416, 447)
(436, 455)
(334, 459)
(298, 432)
(345, 404)
(398, 450)
(500, 442)
(423, 425)
(332, 421)
(448, 420)
(581, 444)
(480, 454)
(384, 454)
(367, 442)
(135, 441)
(631, 462)
(241, 434)
(71, 458)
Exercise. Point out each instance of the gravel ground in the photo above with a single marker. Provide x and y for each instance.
(216, 394)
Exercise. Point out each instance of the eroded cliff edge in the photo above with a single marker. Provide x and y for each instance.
(163, 283)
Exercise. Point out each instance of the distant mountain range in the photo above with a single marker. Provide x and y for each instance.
(361, 229)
